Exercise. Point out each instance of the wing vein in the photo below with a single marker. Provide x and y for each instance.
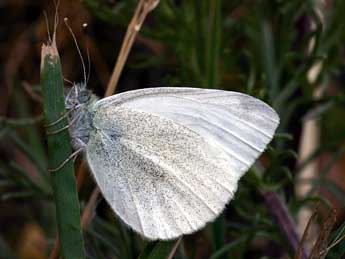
(135, 205)
(225, 130)
(184, 215)
(167, 168)
(250, 125)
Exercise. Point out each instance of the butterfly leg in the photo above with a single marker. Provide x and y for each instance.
(57, 131)
(72, 156)
(57, 121)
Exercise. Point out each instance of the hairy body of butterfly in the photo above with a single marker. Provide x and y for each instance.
(167, 160)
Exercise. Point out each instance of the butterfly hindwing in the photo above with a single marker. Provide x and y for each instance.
(161, 178)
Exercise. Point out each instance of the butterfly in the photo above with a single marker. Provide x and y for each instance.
(168, 159)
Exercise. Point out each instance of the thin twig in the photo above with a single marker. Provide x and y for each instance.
(81, 174)
(337, 239)
(22, 122)
(174, 249)
(143, 8)
(305, 235)
(55, 251)
(319, 250)
(284, 220)
(34, 96)
(88, 211)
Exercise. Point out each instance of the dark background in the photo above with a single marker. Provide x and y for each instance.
(262, 48)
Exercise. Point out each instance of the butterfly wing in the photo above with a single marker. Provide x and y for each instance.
(239, 124)
(167, 160)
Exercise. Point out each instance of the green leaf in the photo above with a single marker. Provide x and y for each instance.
(159, 249)
(268, 58)
(221, 252)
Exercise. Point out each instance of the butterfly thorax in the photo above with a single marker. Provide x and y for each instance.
(79, 101)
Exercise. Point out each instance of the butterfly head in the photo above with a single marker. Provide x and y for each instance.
(78, 101)
(77, 96)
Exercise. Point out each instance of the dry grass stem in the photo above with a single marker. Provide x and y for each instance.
(174, 249)
(33, 95)
(88, 211)
(143, 8)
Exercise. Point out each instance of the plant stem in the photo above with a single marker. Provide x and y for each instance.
(212, 81)
(143, 8)
(279, 211)
(214, 43)
(160, 249)
(63, 181)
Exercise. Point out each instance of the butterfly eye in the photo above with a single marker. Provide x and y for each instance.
(83, 96)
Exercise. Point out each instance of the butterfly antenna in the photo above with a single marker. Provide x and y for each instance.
(47, 25)
(68, 81)
(56, 18)
(85, 27)
(78, 49)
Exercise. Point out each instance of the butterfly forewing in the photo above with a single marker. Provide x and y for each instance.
(239, 124)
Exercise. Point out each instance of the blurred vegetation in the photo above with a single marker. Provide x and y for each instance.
(266, 48)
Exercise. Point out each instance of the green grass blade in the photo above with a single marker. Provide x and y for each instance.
(32, 132)
(159, 249)
(268, 58)
(26, 149)
(63, 181)
(200, 11)
(218, 230)
(32, 156)
(214, 43)
(225, 249)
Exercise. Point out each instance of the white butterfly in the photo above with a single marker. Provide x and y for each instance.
(167, 160)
